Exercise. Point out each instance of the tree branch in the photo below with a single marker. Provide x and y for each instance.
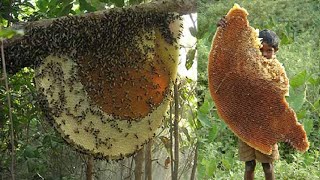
(180, 6)
(28, 50)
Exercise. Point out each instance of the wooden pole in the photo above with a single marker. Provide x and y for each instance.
(89, 172)
(13, 152)
(138, 159)
(148, 161)
(176, 132)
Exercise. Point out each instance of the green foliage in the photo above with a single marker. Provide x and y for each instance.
(54, 8)
(190, 58)
(27, 10)
(38, 148)
(85, 6)
(298, 25)
(13, 11)
(9, 33)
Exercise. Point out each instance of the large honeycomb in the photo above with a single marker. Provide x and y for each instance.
(104, 80)
(249, 90)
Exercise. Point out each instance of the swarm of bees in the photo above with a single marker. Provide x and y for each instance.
(249, 90)
(105, 83)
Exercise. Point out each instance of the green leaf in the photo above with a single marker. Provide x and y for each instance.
(133, 2)
(65, 10)
(9, 33)
(286, 38)
(28, 4)
(85, 6)
(206, 106)
(308, 125)
(308, 159)
(302, 114)
(314, 80)
(193, 31)
(210, 166)
(42, 5)
(118, 3)
(186, 133)
(47, 141)
(214, 132)
(299, 79)
(105, 1)
(316, 104)
(52, 4)
(204, 120)
(226, 163)
(190, 58)
(29, 152)
(296, 98)
(32, 164)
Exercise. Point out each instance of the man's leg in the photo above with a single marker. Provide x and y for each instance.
(249, 170)
(268, 171)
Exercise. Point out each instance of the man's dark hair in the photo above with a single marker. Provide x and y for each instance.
(270, 38)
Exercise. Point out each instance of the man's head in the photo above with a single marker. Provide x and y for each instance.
(270, 43)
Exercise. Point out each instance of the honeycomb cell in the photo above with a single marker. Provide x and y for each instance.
(104, 82)
(249, 90)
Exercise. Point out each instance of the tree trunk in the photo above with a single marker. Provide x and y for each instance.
(195, 163)
(148, 161)
(138, 159)
(5, 77)
(171, 140)
(89, 172)
(176, 132)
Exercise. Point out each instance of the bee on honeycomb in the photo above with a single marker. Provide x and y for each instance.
(104, 79)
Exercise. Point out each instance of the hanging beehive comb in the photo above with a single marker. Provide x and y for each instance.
(104, 80)
(249, 90)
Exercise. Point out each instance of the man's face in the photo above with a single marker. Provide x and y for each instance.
(267, 50)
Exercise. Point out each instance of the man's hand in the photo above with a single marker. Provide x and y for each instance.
(222, 22)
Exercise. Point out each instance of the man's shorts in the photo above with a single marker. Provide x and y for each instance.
(247, 153)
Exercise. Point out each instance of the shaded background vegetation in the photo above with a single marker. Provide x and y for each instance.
(298, 25)
(40, 152)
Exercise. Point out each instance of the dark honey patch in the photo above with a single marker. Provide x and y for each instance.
(114, 65)
(125, 92)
